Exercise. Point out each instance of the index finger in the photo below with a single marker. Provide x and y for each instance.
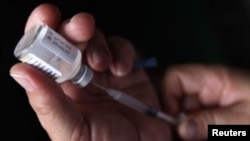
(46, 13)
(205, 83)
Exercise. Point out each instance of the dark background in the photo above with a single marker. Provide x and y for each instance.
(173, 31)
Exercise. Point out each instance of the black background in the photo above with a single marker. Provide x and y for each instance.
(174, 31)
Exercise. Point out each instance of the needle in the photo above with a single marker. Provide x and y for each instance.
(136, 104)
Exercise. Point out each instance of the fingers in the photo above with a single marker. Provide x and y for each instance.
(98, 52)
(123, 55)
(195, 126)
(207, 84)
(46, 13)
(192, 88)
(211, 85)
(54, 110)
(79, 29)
(115, 53)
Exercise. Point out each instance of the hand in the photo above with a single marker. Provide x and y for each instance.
(208, 95)
(70, 113)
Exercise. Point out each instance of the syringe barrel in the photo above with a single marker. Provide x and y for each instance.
(138, 105)
(127, 100)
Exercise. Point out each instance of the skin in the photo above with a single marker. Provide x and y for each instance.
(208, 94)
(70, 113)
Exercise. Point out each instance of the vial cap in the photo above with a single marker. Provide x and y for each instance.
(84, 76)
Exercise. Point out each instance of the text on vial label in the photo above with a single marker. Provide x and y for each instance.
(59, 46)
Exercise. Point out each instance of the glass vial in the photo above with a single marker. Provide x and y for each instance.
(45, 49)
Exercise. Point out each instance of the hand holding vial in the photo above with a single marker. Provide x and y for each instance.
(68, 112)
(207, 94)
(45, 49)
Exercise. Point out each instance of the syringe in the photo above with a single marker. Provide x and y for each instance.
(137, 105)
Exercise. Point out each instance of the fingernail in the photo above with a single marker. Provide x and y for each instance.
(24, 82)
(99, 56)
(121, 69)
(188, 129)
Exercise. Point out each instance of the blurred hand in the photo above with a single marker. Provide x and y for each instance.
(70, 113)
(207, 95)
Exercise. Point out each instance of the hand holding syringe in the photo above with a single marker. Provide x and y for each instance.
(136, 104)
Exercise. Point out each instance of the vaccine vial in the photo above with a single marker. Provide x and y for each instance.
(45, 49)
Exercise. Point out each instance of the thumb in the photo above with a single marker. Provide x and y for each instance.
(54, 109)
(195, 126)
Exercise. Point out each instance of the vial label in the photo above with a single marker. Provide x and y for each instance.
(59, 46)
(35, 61)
